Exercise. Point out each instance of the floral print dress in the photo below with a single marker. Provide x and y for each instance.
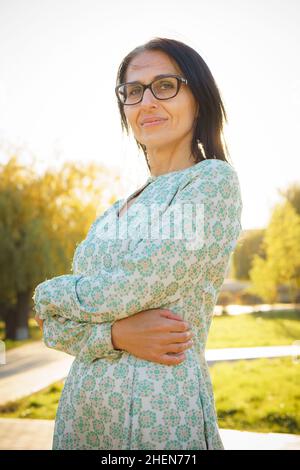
(112, 399)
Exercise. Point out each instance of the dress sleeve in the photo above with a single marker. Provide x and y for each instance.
(161, 270)
(87, 342)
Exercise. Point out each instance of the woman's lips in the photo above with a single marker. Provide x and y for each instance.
(153, 123)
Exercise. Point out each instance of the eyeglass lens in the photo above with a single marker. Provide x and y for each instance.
(163, 88)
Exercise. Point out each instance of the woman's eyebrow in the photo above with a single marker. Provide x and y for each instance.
(162, 75)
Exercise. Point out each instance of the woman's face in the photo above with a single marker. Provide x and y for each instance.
(178, 112)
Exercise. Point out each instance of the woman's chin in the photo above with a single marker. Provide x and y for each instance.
(154, 142)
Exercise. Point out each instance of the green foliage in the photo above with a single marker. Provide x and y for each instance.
(42, 219)
(250, 243)
(282, 262)
(292, 195)
(270, 258)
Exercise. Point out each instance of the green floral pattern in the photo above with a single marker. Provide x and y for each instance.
(112, 399)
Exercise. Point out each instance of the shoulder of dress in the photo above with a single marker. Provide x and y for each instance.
(210, 170)
(210, 165)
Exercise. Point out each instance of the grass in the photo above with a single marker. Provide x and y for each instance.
(274, 328)
(40, 405)
(261, 395)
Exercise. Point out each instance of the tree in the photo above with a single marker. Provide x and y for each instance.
(292, 194)
(42, 218)
(249, 245)
(282, 262)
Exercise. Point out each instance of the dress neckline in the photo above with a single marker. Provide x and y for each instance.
(169, 173)
(150, 179)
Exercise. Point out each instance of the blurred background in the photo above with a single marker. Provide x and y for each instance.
(64, 160)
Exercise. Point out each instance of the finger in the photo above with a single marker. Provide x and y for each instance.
(179, 348)
(178, 324)
(173, 359)
(182, 337)
(169, 314)
(175, 326)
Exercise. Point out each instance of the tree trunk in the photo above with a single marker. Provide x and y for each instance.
(11, 323)
(17, 318)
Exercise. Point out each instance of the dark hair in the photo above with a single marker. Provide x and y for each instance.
(208, 127)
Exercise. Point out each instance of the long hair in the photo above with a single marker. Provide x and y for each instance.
(208, 139)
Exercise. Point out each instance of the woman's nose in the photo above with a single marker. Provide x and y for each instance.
(148, 97)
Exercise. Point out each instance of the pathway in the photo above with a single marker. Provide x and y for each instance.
(30, 368)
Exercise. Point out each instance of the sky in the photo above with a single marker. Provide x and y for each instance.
(58, 67)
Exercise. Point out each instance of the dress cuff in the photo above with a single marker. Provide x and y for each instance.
(57, 296)
(102, 341)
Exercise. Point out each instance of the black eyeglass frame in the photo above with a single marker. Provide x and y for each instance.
(180, 80)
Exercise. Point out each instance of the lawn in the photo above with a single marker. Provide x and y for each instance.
(261, 395)
(254, 330)
(40, 405)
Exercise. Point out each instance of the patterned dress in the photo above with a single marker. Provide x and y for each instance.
(112, 399)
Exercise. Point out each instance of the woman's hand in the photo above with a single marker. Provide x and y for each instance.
(39, 322)
(157, 335)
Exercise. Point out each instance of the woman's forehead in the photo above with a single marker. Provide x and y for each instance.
(147, 65)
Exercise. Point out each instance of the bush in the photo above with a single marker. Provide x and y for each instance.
(226, 298)
(247, 298)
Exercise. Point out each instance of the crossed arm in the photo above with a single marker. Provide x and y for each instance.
(85, 341)
(79, 310)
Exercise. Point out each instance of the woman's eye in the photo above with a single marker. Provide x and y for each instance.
(166, 85)
(133, 91)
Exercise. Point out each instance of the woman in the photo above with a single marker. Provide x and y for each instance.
(127, 310)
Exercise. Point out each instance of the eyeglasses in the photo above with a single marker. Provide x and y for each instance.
(162, 88)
